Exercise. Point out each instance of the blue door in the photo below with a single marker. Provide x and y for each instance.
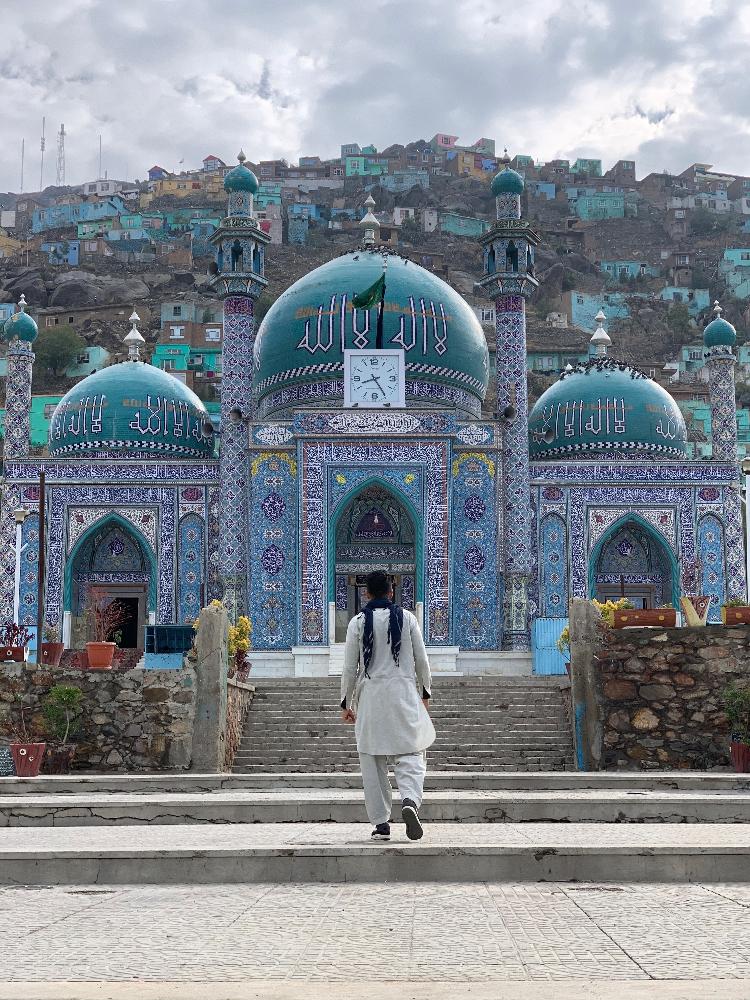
(544, 635)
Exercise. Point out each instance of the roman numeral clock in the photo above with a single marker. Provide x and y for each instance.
(374, 379)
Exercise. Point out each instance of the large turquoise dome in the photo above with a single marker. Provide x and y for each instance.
(132, 408)
(299, 350)
(605, 405)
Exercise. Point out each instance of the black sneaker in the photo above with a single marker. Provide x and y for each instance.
(381, 832)
(410, 816)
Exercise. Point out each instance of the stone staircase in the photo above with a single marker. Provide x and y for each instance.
(483, 724)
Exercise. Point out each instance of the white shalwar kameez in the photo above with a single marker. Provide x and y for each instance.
(393, 726)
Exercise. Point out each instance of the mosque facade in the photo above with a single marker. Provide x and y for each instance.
(353, 436)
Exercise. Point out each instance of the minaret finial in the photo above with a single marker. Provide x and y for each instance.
(717, 309)
(134, 339)
(600, 340)
(369, 224)
(22, 303)
(241, 156)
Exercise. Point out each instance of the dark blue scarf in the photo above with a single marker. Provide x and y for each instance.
(395, 627)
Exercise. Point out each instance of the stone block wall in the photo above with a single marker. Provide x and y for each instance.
(239, 699)
(660, 694)
(134, 720)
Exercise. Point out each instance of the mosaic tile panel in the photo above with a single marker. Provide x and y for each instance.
(273, 583)
(476, 617)
(190, 564)
(712, 563)
(553, 567)
(723, 405)
(27, 596)
(661, 519)
(80, 519)
(11, 499)
(20, 361)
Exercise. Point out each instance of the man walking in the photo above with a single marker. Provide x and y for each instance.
(385, 690)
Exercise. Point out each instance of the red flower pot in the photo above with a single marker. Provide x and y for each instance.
(14, 653)
(27, 758)
(661, 617)
(736, 615)
(52, 653)
(100, 655)
(740, 754)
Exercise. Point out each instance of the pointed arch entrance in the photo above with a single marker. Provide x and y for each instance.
(115, 558)
(374, 529)
(634, 560)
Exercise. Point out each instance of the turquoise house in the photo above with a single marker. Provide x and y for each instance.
(734, 267)
(593, 168)
(624, 270)
(554, 360)
(42, 408)
(696, 299)
(462, 225)
(583, 306)
(172, 358)
(602, 205)
(90, 360)
(269, 193)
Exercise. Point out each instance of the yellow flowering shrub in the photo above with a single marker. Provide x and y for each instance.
(239, 636)
(606, 609)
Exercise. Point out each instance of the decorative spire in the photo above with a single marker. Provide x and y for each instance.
(22, 303)
(717, 309)
(133, 339)
(241, 156)
(600, 340)
(369, 224)
(505, 158)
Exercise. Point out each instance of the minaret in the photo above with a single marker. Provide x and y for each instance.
(239, 279)
(719, 338)
(509, 279)
(20, 331)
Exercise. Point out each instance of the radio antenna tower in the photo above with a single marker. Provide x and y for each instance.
(60, 178)
(23, 156)
(41, 159)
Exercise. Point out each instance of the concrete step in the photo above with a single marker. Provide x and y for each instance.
(205, 784)
(345, 805)
(450, 852)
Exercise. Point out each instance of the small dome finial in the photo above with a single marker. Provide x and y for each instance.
(505, 158)
(22, 303)
(134, 339)
(600, 340)
(241, 156)
(369, 224)
(717, 309)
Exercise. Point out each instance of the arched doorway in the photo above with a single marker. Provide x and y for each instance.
(632, 560)
(114, 559)
(375, 530)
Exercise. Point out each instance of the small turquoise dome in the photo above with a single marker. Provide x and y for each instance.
(20, 325)
(719, 333)
(299, 349)
(132, 408)
(507, 182)
(241, 178)
(605, 405)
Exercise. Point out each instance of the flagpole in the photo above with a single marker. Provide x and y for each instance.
(379, 334)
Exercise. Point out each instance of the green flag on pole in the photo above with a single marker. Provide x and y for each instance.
(371, 296)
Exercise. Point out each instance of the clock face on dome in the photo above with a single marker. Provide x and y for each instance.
(374, 379)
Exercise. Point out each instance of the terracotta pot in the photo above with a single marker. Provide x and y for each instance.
(100, 655)
(59, 759)
(15, 653)
(736, 615)
(27, 758)
(740, 754)
(695, 610)
(660, 617)
(52, 653)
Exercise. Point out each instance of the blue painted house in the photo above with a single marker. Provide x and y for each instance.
(696, 299)
(624, 270)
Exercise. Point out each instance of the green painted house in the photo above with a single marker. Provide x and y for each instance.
(42, 408)
(462, 225)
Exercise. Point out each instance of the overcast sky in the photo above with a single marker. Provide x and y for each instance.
(664, 82)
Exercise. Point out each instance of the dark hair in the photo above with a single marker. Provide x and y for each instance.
(378, 583)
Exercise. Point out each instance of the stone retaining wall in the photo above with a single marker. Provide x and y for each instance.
(239, 699)
(660, 694)
(134, 720)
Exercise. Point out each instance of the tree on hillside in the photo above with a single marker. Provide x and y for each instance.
(678, 321)
(57, 349)
(703, 222)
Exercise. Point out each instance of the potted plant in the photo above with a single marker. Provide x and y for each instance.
(694, 606)
(665, 616)
(52, 649)
(13, 642)
(737, 708)
(62, 715)
(735, 612)
(26, 748)
(105, 616)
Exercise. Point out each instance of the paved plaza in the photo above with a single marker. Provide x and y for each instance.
(412, 933)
